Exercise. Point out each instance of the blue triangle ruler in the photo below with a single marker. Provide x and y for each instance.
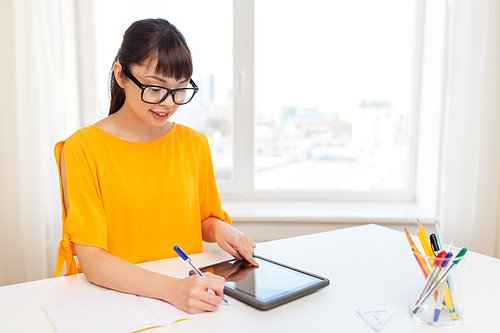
(377, 317)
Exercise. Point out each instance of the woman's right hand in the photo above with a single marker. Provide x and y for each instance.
(192, 294)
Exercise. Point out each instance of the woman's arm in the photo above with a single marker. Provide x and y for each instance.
(189, 294)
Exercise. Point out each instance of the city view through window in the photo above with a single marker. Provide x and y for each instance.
(359, 148)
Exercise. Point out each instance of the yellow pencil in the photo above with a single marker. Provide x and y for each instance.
(418, 255)
(412, 244)
(427, 247)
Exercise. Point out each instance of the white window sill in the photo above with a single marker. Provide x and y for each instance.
(328, 212)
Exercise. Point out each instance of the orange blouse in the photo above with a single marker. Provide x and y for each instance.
(136, 200)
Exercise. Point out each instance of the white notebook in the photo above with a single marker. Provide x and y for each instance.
(115, 312)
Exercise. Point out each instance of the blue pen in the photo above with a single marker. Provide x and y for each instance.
(442, 287)
(185, 257)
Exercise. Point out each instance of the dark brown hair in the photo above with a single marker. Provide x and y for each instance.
(146, 41)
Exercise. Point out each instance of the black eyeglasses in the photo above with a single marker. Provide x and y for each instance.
(155, 94)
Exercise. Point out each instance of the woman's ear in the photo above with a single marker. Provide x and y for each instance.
(118, 73)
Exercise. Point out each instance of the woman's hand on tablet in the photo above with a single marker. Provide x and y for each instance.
(234, 242)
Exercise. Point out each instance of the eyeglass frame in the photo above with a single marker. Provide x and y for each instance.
(169, 91)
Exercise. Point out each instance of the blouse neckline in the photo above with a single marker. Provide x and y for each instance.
(174, 126)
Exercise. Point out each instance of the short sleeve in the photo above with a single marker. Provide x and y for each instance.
(84, 222)
(210, 204)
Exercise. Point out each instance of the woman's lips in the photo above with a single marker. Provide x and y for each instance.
(160, 115)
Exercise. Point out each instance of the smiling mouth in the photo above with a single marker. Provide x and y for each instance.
(161, 114)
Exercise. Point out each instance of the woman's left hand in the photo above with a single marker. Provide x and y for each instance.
(234, 241)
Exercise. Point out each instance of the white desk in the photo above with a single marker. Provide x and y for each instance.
(367, 267)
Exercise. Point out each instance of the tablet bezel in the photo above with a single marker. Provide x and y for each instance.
(274, 301)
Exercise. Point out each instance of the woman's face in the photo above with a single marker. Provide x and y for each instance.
(152, 114)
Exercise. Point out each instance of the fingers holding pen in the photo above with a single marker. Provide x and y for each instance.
(219, 287)
(202, 292)
(193, 295)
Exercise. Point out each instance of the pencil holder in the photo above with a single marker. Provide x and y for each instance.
(436, 288)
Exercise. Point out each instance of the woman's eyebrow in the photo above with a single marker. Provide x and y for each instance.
(162, 79)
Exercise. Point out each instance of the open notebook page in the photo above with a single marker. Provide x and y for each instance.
(111, 311)
(106, 311)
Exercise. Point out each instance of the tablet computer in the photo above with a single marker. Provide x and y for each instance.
(266, 286)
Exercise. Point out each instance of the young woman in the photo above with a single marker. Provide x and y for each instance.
(134, 185)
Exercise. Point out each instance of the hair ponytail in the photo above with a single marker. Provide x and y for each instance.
(117, 94)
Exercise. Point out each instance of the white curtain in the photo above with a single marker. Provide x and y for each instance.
(470, 187)
(47, 91)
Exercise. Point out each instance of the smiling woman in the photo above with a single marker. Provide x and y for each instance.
(135, 185)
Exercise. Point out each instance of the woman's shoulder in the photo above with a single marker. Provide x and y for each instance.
(77, 143)
(187, 132)
(83, 136)
(84, 139)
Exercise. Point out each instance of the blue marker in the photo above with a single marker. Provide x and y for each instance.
(185, 257)
(439, 300)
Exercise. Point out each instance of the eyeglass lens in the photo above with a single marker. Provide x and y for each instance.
(155, 95)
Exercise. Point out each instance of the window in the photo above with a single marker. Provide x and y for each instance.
(298, 100)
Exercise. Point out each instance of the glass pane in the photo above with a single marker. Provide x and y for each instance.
(208, 29)
(332, 94)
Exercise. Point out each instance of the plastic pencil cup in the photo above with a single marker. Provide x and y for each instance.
(436, 288)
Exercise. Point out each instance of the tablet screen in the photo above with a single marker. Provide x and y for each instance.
(267, 281)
